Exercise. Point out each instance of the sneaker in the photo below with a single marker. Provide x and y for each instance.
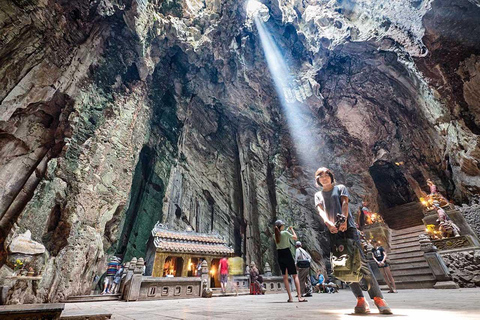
(382, 306)
(362, 306)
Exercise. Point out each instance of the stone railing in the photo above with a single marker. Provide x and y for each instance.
(170, 288)
(274, 284)
(135, 286)
(238, 283)
(436, 264)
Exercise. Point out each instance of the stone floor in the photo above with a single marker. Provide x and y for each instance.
(425, 304)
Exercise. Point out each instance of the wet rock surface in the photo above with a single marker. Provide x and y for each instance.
(117, 114)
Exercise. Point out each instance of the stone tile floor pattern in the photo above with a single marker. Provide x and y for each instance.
(425, 304)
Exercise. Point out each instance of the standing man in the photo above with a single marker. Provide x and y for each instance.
(302, 261)
(223, 273)
(333, 200)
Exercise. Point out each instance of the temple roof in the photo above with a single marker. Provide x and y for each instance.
(189, 242)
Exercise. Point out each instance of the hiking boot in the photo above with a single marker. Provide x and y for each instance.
(382, 306)
(362, 306)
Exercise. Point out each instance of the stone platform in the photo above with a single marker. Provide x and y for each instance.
(406, 304)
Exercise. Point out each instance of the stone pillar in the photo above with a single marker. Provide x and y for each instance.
(247, 274)
(205, 287)
(124, 278)
(133, 290)
(185, 266)
(128, 277)
(436, 264)
(267, 270)
(158, 264)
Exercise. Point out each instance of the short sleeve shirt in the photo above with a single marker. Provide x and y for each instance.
(332, 204)
(223, 266)
(379, 253)
(112, 268)
(285, 237)
(321, 278)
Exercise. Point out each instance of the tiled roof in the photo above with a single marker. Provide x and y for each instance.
(188, 236)
(189, 247)
(189, 242)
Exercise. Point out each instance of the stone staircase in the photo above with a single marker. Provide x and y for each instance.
(404, 216)
(409, 268)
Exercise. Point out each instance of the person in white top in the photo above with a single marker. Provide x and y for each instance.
(303, 261)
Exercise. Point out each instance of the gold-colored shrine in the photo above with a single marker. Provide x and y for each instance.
(178, 254)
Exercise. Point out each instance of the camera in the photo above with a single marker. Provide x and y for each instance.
(340, 218)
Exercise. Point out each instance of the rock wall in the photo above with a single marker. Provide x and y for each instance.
(464, 267)
(472, 216)
(71, 133)
(118, 114)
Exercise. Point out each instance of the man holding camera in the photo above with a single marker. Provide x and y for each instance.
(332, 205)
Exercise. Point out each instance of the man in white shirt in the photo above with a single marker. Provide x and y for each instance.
(303, 261)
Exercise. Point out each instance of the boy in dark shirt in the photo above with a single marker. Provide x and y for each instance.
(380, 257)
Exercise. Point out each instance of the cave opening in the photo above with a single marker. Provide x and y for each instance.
(397, 201)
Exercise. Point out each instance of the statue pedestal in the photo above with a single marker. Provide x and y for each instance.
(380, 232)
(465, 229)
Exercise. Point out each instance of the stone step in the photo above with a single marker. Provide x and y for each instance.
(408, 265)
(397, 242)
(415, 229)
(412, 248)
(412, 272)
(400, 246)
(403, 223)
(405, 255)
(92, 298)
(409, 237)
(397, 261)
(409, 278)
(406, 235)
(415, 284)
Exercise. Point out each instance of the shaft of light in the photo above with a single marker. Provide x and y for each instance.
(297, 115)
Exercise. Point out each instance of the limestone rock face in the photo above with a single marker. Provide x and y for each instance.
(116, 114)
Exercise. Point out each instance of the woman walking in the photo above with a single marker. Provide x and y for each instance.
(285, 258)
